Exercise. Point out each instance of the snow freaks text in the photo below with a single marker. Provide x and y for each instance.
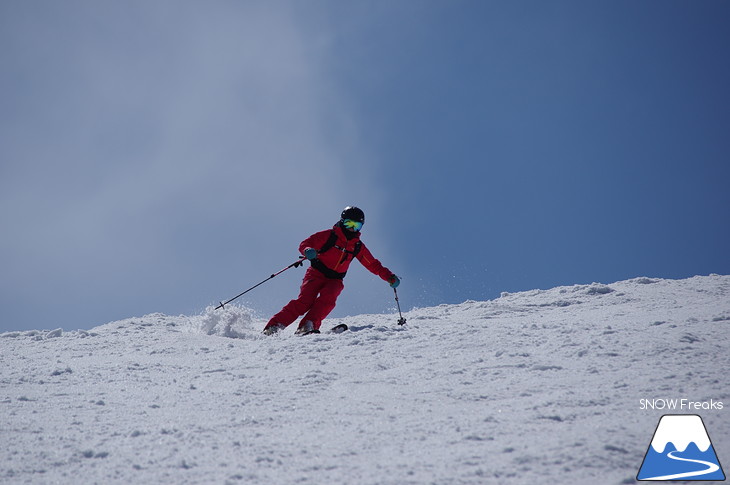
(679, 405)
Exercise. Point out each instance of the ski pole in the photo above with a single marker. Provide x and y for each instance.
(299, 262)
(401, 320)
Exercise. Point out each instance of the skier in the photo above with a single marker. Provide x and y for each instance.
(330, 253)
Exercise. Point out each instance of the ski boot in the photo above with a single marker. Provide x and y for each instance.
(306, 328)
(272, 329)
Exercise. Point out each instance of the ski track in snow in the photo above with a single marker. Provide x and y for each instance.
(537, 387)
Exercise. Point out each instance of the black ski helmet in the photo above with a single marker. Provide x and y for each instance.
(354, 214)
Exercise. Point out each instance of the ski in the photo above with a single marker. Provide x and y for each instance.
(336, 329)
(303, 331)
(339, 328)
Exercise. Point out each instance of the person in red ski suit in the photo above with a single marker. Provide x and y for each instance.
(330, 253)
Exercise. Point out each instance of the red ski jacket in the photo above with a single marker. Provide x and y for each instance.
(335, 261)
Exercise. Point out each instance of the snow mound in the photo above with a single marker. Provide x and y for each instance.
(231, 321)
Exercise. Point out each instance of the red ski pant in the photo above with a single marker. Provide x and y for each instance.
(317, 298)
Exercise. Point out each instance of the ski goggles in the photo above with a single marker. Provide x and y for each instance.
(350, 224)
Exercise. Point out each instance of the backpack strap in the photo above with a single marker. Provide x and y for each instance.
(358, 245)
(331, 241)
(329, 244)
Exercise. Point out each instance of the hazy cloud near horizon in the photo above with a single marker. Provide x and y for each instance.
(148, 145)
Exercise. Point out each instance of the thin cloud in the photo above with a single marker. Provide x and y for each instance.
(157, 152)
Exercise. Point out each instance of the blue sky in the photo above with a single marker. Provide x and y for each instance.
(162, 156)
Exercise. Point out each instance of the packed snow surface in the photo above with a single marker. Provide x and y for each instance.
(539, 387)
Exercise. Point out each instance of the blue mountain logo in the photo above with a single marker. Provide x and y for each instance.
(680, 450)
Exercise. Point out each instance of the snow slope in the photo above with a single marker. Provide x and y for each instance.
(539, 387)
